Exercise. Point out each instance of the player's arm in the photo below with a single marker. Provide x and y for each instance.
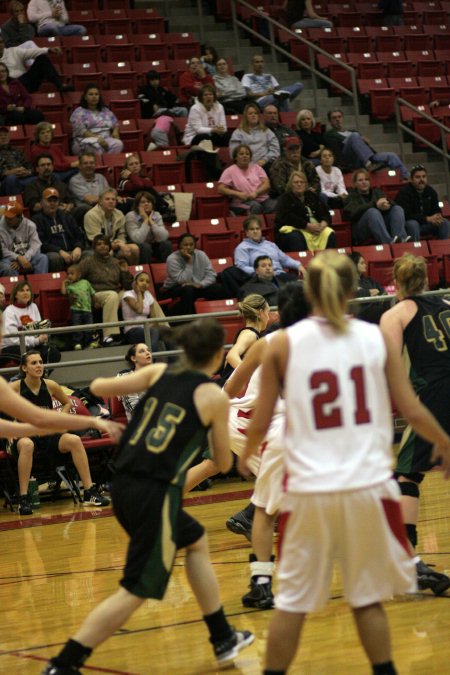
(272, 380)
(394, 321)
(240, 377)
(245, 340)
(420, 418)
(59, 394)
(131, 384)
(213, 407)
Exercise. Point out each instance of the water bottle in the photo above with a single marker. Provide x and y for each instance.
(33, 493)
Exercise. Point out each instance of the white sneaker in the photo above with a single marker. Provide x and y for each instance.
(151, 146)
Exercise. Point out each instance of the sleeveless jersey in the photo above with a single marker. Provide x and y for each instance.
(339, 424)
(426, 344)
(228, 369)
(42, 399)
(165, 433)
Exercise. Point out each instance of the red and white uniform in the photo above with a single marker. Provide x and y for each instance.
(341, 503)
(268, 466)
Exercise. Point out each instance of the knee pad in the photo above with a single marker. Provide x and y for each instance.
(409, 489)
(414, 477)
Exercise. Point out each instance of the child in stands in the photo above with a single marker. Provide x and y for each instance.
(80, 294)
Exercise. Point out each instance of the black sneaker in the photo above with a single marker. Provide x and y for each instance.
(92, 497)
(259, 596)
(52, 669)
(25, 506)
(240, 523)
(428, 578)
(227, 650)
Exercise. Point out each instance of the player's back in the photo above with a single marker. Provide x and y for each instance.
(339, 425)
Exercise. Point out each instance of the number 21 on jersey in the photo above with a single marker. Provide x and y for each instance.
(327, 410)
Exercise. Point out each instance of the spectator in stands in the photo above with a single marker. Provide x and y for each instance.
(80, 294)
(94, 126)
(263, 282)
(42, 69)
(301, 14)
(133, 180)
(15, 169)
(264, 88)
(157, 100)
(331, 180)
(192, 81)
(87, 185)
(254, 133)
(43, 144)
(354, 151)
(372, 214)
(19, 244)
(15, 101)
(245, 254)
(51, 18)
(392, 12)
(138, 356)
(139, 304)
(190, 275)
(145, 228)
(45, 179)
(41, 391)
(290, 161)
(209, 57)
(106, 219)
(17, 32)
(2, 297)
(367, 287)
(206, 120)
(103, 272)
(312, 141)
(302, 221)
(246, 183)
(420, 203)
(61, 238)
(230, 91)
(271, 118)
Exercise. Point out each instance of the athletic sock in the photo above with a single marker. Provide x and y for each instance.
(218, 626)
(386, 668)
(73, 654)
(411, 533)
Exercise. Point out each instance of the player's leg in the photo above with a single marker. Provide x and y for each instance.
(226, 641)
(198, 473)
(373, 630)
(25, 448)
(262, 562)
(283, 640)
(72, 444)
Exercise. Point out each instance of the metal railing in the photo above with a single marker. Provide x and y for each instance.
(401, 126)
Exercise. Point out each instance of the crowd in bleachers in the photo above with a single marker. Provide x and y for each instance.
(231, 143)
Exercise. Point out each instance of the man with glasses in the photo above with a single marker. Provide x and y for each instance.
(192, 81)
(420, 202)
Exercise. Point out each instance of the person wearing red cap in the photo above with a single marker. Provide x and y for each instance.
(20, 244)
(290, 161)
(62, 239)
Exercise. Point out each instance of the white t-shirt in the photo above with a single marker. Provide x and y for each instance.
(339, 422)
(129, 314)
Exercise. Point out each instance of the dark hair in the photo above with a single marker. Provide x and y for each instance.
(24, 359)
(416, 168)
(132, 352)
(292, 303)
(101, 237)
(234, 154)
(212, 50)
(139, 196)
(18, 287)
(355, 257)
(249, 220)
(186, 235)
(207, 88)
(200, 339)
(258, 260)
(43, 155)
(7, 71)
(83, 102)
(87, 153)
(335, 110)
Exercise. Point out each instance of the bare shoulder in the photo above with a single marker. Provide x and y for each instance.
(13, 385)
(210, 401)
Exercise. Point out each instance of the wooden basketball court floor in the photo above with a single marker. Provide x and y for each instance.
(56, 565)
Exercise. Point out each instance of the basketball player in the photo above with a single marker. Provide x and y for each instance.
(419, 327)
(334, 371)
(170, 427)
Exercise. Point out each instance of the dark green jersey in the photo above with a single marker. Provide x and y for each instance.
(165, 433)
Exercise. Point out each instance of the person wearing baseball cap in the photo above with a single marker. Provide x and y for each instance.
(20, 244)
(62, 239)
(290, 161)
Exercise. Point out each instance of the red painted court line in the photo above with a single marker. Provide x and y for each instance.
(97, 669)
(39, 521)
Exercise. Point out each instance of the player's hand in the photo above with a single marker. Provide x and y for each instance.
(242, 467)
(442, 453)
(114, 429)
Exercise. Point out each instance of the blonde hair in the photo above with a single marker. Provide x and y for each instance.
(303, 113)
(295, 174)
(251, 306)
(330, 281)
(410, 275)
(42, 126)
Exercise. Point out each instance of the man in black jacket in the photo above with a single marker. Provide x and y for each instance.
(263, 282)
(420, 203)
(61, 238)
(45, 179)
